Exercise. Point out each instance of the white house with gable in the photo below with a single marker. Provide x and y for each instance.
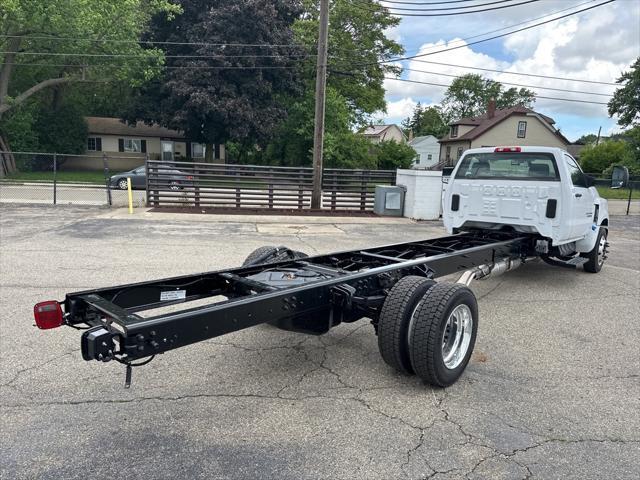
(427, 151)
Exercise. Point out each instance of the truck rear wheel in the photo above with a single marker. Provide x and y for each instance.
(269, 254)
(598, 254)
(443, 333)
(395, 319)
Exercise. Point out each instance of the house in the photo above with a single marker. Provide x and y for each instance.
(427, 149)
(384, 133)
(126, 146)
(510, 126)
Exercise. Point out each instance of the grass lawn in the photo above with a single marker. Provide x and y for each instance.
(80, 177)
(619, 193)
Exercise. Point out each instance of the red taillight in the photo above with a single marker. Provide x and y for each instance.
(48, 314)
(189, 177)
(508, 149)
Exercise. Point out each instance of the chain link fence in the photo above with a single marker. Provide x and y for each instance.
(55, 179)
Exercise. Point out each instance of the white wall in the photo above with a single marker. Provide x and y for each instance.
(423, 200)
(424, 148)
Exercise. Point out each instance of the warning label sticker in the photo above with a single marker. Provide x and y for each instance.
(173, 295)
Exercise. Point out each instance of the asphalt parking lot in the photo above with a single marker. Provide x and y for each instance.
(553, 389)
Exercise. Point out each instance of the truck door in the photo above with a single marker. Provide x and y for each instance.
(581, 199)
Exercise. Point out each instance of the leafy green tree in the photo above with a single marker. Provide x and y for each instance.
(626, 100)
(587, 139)
(597, 158)
(223, 90)
(343, 148)
(469, 95)
(357, 43)
(85, 32)
(391, 155)
(425, 121)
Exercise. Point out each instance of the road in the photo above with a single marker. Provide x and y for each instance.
(553, 389)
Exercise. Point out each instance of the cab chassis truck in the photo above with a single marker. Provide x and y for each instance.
(423, 327)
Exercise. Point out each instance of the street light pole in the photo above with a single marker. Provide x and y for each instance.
(321, 85)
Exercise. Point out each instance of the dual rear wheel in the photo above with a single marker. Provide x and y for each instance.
(428, 328)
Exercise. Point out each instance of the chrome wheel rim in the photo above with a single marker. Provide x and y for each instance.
(123, 184)
(602, 249)
(456, 336)
(174, 186)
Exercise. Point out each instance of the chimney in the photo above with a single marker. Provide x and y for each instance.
(491, 108)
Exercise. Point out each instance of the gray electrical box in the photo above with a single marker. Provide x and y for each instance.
(389, 200)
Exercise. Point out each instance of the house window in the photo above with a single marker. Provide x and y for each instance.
(429, 156)
(197, 150)
(94, 144)
(448, 156)
(460, 150)
(454, 131)
(522, 129)
(132, 145)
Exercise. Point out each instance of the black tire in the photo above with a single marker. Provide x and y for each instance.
(269, 254)
(428, 333)
(595, 257)
(395, 319)
(122, 184)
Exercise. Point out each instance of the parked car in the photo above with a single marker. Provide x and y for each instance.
(175, 178)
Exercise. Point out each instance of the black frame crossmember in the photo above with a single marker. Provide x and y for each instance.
(310, 295)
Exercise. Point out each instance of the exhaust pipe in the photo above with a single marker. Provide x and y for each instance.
(493, 270)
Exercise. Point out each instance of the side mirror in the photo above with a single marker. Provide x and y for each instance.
(619, 177)
(589, 181)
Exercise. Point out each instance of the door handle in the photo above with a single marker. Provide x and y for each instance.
(578, 195)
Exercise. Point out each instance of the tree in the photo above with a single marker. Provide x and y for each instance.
(626, 100)
(425, 121)
(71, 41)
(223, 90)
(588, 139)
(358, 42)
(597, 158)
(343, 148)
(391, 155)
(47, 46)
(469, 95)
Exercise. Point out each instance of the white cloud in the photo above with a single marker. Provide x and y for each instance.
(402, 108)
(596, 45)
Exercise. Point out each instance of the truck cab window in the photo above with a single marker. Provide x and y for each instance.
(577, 177)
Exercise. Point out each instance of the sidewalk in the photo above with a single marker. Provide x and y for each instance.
(619, 207)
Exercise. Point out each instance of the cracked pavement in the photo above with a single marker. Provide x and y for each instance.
(552, 391)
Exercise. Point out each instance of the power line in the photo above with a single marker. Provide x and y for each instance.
(521, 23)
(448, 8)
(137, 55)
(499, 36)
(428, 3)
(517, 73)
(153, 42)
(515, 84)
(181, 67)
(451, 13)
(536, 96)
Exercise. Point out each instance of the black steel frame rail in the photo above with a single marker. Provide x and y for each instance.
(344, 286)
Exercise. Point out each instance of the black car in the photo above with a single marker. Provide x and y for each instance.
(175, 178)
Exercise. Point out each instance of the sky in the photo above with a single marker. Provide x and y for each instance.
(596, 45)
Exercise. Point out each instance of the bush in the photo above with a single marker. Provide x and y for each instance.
(391, 155)
(598, 158)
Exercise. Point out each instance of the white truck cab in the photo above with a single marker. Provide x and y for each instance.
(533, 190)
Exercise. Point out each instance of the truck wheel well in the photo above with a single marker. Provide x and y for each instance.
(605, 222)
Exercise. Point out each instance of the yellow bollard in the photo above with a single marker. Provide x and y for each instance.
(130, 195)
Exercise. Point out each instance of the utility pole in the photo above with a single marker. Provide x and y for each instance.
(321, 85)
(598, 139)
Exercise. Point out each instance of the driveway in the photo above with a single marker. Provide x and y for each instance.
(553, 389)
